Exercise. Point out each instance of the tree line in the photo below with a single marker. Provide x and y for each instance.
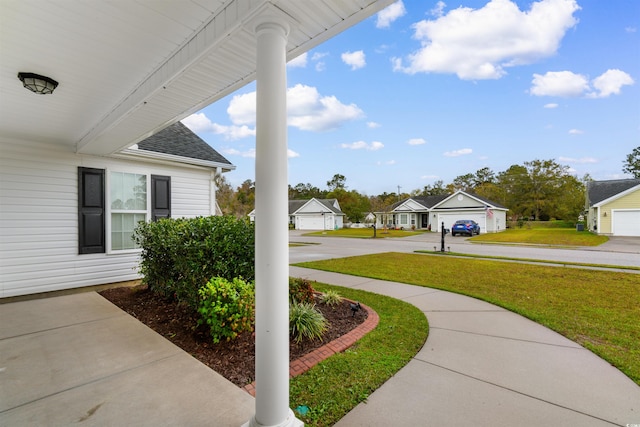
(535, 190)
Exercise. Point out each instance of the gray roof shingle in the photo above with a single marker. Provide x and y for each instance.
(602, 190)
(179, 140)
(431, 201)
(294, 205)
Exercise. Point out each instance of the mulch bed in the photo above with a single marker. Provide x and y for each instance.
(235, 360)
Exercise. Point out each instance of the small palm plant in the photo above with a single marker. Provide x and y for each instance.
(330, 298)
(306, 322)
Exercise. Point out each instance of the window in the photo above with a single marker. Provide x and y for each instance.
(128, 207)
(403, 219)
(129, 202)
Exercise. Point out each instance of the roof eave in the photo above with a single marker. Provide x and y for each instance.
(170, 158)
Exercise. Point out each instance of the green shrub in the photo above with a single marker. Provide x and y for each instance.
(300, 290)
(227, 307)
(180, 255)
(331, 298)
(305, 322)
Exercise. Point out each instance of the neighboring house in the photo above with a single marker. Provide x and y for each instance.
(429, 212)
(68, 219)
(313, 214)
(613, 207)
(411, 213)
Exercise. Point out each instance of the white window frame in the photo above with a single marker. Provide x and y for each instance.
(109, 211)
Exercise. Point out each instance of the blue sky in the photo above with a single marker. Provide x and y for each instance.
(428, 90)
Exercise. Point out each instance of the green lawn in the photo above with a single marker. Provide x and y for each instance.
(363, 233)
(597, 309)
(543, 236)
(335, 386)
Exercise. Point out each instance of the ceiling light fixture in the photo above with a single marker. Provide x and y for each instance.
(36, 83)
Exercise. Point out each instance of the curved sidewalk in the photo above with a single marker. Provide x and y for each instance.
(486, 366)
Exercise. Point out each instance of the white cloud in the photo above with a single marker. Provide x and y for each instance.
(569, 84)
(456, 153)
(361, 145)
(373, 125)
(583, 160)
(438, 10)
(251, 153)
(355, 60)
(630, 30)
(317, 58)
(429, 177)
(416, 141)
(358, 145)
(610, 83)
(291, 154)
(388, 162)
(298, 62)
(551, 105)
(389, 14)
(481, 43)
(200, 123)
(559, 83)
(197, 122)
(306, 109)
(382, 48)
(242, 109)
(575, 132)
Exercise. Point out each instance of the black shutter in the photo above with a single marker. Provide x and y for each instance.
(160, 197)
(91, 220)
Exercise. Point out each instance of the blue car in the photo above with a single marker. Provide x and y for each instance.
(465, 226)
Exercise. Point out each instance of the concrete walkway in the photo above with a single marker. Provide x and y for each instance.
(486, 366)
(78, 359)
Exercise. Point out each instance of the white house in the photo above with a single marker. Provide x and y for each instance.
(411, 213)
(491, 216)
(117, 73)
(313, 214)
(68, 219)
(429, 212)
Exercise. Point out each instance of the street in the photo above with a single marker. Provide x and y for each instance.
(619, 251)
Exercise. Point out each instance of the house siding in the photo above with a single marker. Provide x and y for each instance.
(39, 217)
(628, 201)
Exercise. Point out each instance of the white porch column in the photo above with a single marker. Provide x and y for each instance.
(272, 235)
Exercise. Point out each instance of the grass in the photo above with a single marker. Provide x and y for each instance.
(364, 233)
(597, 309)
(532, 260)
(543, 236)
(334, 387)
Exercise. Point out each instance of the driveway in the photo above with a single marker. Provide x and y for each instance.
(620, 244)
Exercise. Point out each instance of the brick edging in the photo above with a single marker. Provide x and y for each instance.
(308, 361)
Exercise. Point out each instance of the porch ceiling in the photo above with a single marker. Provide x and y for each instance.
(127, 69)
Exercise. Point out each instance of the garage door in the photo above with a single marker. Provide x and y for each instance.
(625, 223)
(450, 218)
(312, 222)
